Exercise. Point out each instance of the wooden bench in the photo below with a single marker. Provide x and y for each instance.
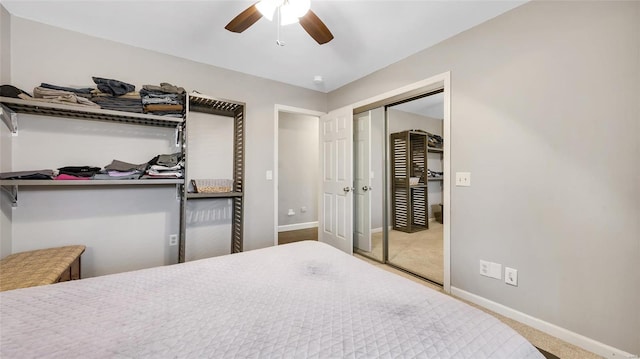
(40, 267)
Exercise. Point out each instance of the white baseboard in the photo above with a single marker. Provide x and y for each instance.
(297, 226)
(546, 327)
(379, 229)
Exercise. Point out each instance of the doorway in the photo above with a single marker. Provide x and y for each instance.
(295, 175)
(333, 221)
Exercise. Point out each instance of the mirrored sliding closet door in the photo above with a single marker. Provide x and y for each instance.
(369, 171)
(415, 169)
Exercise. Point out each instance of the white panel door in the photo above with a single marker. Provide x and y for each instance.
(335, 215)
(362, 181)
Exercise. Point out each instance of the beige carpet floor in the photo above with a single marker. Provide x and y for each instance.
(419, 252)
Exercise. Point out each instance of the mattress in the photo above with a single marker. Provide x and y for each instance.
(300, 300)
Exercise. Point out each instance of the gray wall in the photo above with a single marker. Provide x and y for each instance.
(5, 135)
(298, 168)
(545, 115)
(41, 53)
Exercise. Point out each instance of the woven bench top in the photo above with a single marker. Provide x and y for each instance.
(38, 267)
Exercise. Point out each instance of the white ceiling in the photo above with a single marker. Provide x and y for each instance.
(369, 35)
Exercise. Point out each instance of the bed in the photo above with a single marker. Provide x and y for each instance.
(299, 300)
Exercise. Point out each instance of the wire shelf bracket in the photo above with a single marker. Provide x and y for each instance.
(10, 118)
(12, 191)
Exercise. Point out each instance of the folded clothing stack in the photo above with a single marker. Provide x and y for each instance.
(169, 166)
(110, 94)
(434, 174)
(63, 173)
(62, 95)
(119, 170)
(435, 141)
(84, 92)
(76, 172)
(163, 100)
(116, 95)
(28, 175)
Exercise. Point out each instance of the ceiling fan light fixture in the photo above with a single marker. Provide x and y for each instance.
(290, 10)
(298, 8)
(268, 7)
(287, 15)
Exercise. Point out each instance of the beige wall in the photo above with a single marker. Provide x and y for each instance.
(545, 115)
(42, 53)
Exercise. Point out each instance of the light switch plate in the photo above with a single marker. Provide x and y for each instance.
(485, 268)
(269, 175)
(463, 179)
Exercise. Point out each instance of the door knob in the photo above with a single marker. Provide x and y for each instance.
(347, 189)
(367, 188)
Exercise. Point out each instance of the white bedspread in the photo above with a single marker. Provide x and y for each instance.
(301, 300)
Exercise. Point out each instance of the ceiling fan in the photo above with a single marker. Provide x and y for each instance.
(289, 12)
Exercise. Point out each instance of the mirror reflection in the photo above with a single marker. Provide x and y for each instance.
(407, 139)
(415, 186)
(368, 154)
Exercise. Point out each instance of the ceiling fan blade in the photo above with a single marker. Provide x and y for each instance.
(316, 28)
(244, 19)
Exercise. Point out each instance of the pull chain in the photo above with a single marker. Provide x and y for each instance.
(278, 41)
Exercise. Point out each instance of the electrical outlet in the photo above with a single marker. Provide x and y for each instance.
(173, 240)
(511, 276)
(291, 212)
(303, 209)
